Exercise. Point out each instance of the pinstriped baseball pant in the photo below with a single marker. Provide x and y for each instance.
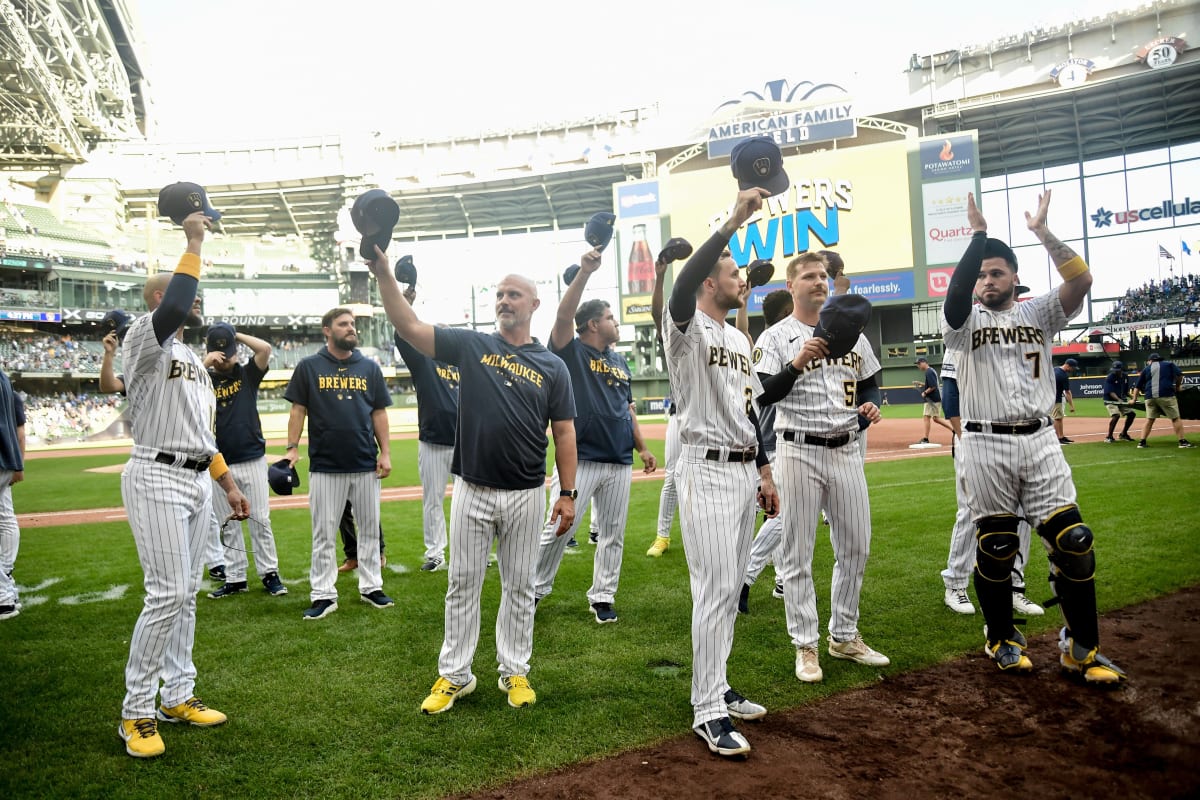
(170, 514)
(433, 465)
(327, 496)
(668, 500)
(479, 514)
(10, 540)
(251, 478)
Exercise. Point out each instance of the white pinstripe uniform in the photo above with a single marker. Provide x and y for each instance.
(714, 383)
(607, 486)
(171, 408)
(1007, 376)
(433, 465)
(961, 561)
(668, 500)
(771, 531)
(251, 478)
(821, 403)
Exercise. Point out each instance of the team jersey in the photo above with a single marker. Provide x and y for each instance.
(509, 395)
(1005, 374)
(1158, 379)
(713, 382)
(239, 429)
(340, 395)
(172, 407)
(12, 416)
(600, 382)
(824, 398)
(437, 394)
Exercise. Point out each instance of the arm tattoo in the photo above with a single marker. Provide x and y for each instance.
(1059, 252)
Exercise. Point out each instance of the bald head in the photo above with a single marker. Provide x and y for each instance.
(516, 300)
(156, 284)
(526, 285)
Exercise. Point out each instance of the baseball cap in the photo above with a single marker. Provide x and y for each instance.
(1154, 357)
(675, 249)
(569, 274)
(843, 319)
(599, 229)
(179, 200)
(222, 338)
(117, 321)
(374, 211)
(406, 271)
(759, 272)
(922, 360)
(1021, 289)
(282, 477)
(1070, 362)
(1118, 365)
(757, 162)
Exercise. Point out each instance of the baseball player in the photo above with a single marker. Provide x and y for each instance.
(1011, 457)
(240, 440)
(721, 467)
(511, 388)
(1160, 381)
(12, 470)
(961, 560)
(1062, 391)
(437, 420)
(1116, 402)
(606, 434)
(167, 496)
(817, 416)
(345, 399)
(931, 397)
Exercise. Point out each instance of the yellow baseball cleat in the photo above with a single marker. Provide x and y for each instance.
(141, 737)
(1009, 654)
(661, 543)
(192, 712)
(444, 693)
(1088, 665)
(520, 694)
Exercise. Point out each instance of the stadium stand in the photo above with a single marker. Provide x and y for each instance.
(1172, 298)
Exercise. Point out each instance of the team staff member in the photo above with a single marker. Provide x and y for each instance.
(240, 440)
(168, 499)
(1116, 402)
(817, 418)
(606, 433)
(1062, 390)
(511, 388)
(1011, 457)
(1160, 381)
(931, 397)
(437, 420)
(12, 470)
(721, 467)
(345, 399)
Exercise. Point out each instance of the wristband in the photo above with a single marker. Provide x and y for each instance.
(791, 370)
(1073, 268)
(217, 467)
(293, 446)
(189, 264)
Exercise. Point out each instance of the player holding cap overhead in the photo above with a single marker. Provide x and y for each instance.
(820, 373)
(167, 488)
(510, 389)
(606, 434)
(240, 440)
(722, 465)
(1011, 456)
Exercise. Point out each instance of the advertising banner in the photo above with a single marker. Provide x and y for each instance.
(944, 214)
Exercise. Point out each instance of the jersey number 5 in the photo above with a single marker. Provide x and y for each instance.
(1036, 358)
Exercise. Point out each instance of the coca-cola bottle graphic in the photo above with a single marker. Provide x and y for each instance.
(640, 274)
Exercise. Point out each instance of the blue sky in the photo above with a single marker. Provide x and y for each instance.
(258, 69)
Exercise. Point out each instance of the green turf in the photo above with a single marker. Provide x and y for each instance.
(330, 709)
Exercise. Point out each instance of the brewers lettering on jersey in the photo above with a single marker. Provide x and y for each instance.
(721, 464)
(1011, 458)
(167, 491)
(511, 389)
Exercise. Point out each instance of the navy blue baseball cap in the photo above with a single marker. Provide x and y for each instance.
(843, 319)
(759, 272)
(222, 338)
(374, 215)
(406, 271)
(1154, 357)
(180, 200)
(116, 321)
(282, 477)
(758, 162)
(676, 248)
(599, 229)
(1070, 362)
(1118, 365)
(569, 274)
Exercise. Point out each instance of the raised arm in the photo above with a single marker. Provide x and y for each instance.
(564, 320)
(181, 291)
(656, 297)
(259, 347)
(109, 382)
(1077, 279)
(417, 333)
(957, 306)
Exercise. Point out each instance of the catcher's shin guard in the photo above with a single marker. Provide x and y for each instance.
(996, 544)
(1072, 573)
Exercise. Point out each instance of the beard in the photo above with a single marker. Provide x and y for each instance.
(1002, 299)
(193, 319)
(346, 343)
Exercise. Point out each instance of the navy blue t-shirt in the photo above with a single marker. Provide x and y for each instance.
(239, 429)
(340, 395)
(1116, 383)
(437, 394)
(1158, 379)
(12, 416)
(1062, 383)
(931, 382)
(508, 396)
(600, 382)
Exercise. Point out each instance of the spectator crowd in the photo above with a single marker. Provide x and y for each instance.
(1154, 300)
(66, 415)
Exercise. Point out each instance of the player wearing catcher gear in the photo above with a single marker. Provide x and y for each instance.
(345, 399)
(167, 489)
(820, 466)
(1011, 456)
(240, 440)
(12, 470)
(721, 467)
(606, 434)
(511, 388)
(1160, 381)
(1116, 402)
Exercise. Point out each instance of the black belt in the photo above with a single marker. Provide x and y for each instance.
(819, 441)
(1017, 428)
(188, 463)
(734, 456)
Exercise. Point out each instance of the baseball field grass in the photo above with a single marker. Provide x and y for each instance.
(331, 708)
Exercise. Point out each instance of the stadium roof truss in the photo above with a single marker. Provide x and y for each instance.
(69, 78)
